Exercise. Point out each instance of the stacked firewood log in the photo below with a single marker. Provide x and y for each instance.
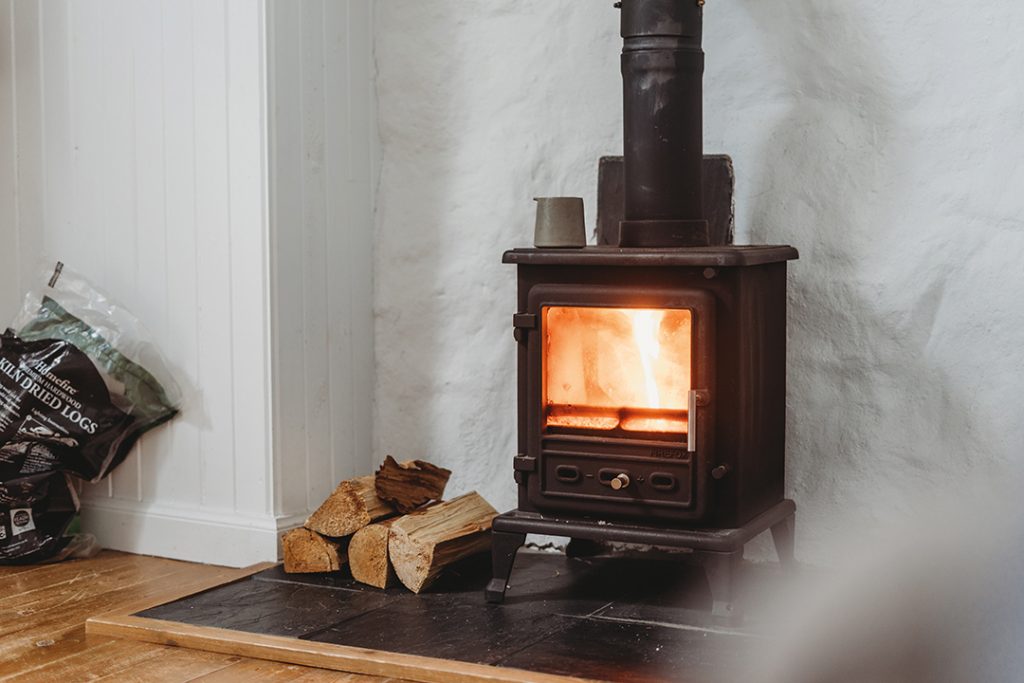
(391, 527)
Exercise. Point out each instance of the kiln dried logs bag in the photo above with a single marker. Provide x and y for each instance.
(56, 412)
(35, 511)
(79, 384)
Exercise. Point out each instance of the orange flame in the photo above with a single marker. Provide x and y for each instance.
(645, 332)
(608, 368)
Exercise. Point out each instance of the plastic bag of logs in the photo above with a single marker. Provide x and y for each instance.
(392, 526)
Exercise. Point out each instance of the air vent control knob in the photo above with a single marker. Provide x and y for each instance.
(620, 482)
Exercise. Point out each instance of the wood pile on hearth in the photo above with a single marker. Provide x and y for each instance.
(392, 526)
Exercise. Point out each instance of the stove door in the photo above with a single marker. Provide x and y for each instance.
(619, 394)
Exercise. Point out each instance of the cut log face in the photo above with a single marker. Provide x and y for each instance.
(423, 543)
(351, 506)
(368, 556)
(306, 552)
(409, 485)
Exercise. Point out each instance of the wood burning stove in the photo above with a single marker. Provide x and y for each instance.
(652, 370)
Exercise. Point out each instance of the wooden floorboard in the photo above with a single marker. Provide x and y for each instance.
(322, 655)
(172, 664)
(43, 610)
(54, 618)
(273, 672)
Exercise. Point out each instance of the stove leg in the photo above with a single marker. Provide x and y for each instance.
(504, 546)
(722, 570)
(784, 536)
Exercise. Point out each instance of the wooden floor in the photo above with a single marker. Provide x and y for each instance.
(42, 625)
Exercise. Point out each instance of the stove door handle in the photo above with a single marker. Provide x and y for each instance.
(691, 422)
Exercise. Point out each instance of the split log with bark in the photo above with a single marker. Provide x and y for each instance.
(424, 542)
(410, 485)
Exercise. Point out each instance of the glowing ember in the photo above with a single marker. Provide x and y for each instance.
(647, 424)
(608, 368)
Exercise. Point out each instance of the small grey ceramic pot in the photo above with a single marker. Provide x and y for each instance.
(560, 223)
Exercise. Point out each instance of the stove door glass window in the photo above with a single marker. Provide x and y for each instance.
(617, 369)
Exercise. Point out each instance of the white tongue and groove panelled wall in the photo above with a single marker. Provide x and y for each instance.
(210, 165)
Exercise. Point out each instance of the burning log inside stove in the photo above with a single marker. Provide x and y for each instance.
(601, 419)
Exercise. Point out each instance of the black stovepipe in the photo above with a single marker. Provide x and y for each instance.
(662, 73)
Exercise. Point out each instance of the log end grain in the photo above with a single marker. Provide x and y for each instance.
(368, 556)
(351, 506)
(307, 552)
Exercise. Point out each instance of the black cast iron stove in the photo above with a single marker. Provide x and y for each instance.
(652, 368)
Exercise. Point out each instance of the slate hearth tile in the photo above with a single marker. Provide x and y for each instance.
(340, 579)
(636, 653)
(560, 585)
(468, 577)
(457, 630)
(271, 608)
(663, 591)
(678, 594)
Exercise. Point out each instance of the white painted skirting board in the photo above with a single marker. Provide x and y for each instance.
(211, 537)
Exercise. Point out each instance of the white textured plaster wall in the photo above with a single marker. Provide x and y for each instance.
(884, 140)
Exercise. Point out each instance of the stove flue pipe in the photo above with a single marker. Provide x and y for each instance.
(663, 74)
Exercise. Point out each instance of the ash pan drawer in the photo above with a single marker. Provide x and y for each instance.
(591, 476)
